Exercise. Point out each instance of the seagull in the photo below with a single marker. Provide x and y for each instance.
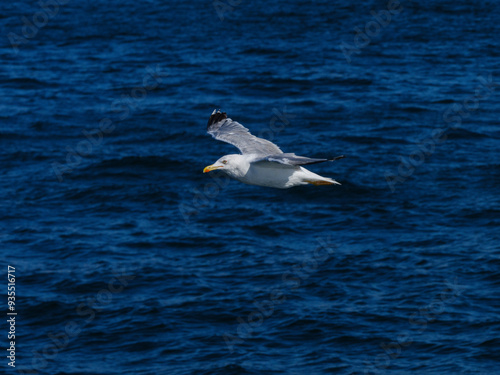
(261, 162)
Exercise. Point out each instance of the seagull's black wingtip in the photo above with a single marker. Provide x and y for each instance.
(216, 116)
(337, 158)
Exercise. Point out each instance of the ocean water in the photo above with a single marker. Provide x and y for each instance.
(129, 260)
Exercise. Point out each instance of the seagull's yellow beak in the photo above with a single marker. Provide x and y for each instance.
(211, 168)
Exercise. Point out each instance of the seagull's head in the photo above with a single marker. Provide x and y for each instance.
(233, 165)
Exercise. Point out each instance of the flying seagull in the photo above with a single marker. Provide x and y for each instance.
(261, 162)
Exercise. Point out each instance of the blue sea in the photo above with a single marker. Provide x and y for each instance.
(126, 258)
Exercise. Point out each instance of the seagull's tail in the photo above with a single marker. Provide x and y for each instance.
(316, 179)
(324, 181)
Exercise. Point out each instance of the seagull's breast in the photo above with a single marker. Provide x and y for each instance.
(270, 174)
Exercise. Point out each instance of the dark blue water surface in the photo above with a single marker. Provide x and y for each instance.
(130, 260)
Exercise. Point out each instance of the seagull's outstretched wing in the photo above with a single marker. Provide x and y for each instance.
(293, 160)
(224, 129)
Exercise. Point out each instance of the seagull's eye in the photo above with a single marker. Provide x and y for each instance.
(224, 161)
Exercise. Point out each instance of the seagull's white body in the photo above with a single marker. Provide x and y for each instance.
(283, 177)
(244, 168)
(262, 162)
